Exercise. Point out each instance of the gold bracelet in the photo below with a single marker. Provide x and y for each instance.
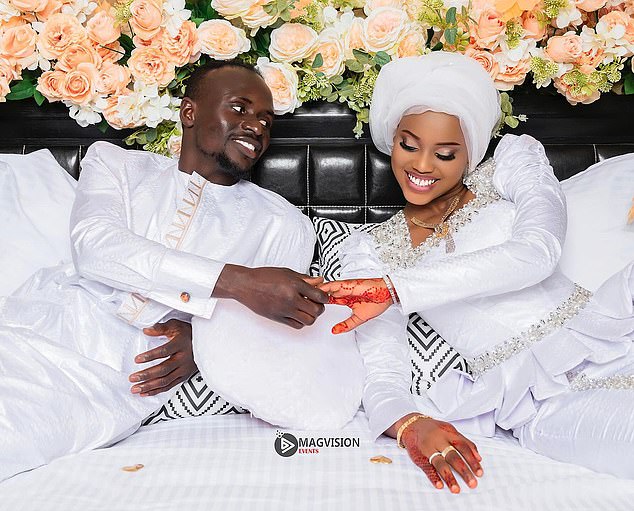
(408, 422)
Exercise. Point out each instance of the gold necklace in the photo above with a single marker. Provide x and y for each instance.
(441, 229)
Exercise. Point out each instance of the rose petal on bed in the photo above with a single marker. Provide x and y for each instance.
(380, 459)
(133, 468)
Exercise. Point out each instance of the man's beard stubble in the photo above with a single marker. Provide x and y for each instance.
(229, 167)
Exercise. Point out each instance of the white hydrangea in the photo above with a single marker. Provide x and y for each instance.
(80, 9)
(568, 15)
(145, 106)
(174, 13)
(511, 57)
(611, 42)
(86, 115)
(7, 10)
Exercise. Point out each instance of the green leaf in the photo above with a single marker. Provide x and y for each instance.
(39, 99)
(21, 90)
(354, 66)
(332, 98)
(451, 16)
(336, 80)
(318, 61)
(628, 84)
(198, 21)
(151, 134)
(361, 56)
(437, 47)
(511, 121)
(450, 35)
(103, 127)
(381, 58)
(126, 42)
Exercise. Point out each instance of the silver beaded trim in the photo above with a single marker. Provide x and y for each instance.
(392, 238)
(581, 382)
(536, 332)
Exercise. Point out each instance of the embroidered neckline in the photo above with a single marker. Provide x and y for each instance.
(393, 240)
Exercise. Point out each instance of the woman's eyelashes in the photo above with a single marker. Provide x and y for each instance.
(440, 156)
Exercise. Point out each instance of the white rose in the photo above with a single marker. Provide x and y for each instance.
(221, 40)
(373, 5)
(232, 8)
(292, 42)
(383, 28)
(282, 80)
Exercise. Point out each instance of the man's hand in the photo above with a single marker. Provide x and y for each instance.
(279, 294)
(368, 298)
(178, 366)
(425, 437)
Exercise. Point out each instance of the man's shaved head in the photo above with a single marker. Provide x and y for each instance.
(195, 82)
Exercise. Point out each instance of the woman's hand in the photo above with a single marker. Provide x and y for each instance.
(368, 298)
(426, 437)
(178, 365)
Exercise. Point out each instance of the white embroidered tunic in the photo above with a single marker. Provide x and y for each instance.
(525, 329)
(143, 234)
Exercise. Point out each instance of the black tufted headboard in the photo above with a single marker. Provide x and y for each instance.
(316, 163)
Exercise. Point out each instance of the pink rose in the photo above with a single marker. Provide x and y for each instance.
(59, 32)
(221, 40)
(510, 76)
(80, 85)
(183, 48)
(292, 42)
(102, 28)
(50, 85)
(146, 19)
(489, 29)
(7, 75)
(383, 29)
(590, 5)
(533, 27)
(149, 65)
(75, 54)
(572, 97)
(113, 79)
(566, 48)
(485, 59)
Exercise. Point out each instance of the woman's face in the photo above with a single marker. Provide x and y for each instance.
(429, 156)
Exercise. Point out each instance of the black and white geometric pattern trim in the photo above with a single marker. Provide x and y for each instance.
(192, 399)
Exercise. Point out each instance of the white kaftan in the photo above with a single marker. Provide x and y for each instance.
(143, 233)
(546, 357)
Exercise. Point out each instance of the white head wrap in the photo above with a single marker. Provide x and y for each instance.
(440, 81)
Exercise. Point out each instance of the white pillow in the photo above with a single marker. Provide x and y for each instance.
(599, 242)
(296, 379)
(36, 197)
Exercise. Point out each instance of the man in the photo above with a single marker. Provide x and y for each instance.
(153, 240)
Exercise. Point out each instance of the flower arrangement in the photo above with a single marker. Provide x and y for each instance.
(123, 64)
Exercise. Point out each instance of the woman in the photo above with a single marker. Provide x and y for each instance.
(549, 361)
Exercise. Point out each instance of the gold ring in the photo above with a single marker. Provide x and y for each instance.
(447, 450)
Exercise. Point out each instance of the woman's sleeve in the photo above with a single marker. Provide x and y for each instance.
(524, 176)
(382, 343)
(107, 251)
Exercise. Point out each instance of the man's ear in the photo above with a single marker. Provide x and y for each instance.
(187, 112)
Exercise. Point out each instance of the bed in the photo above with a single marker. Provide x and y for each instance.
(230, 461)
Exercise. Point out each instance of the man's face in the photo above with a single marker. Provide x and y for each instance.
(230, 123)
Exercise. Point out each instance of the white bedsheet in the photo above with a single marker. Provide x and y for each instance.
(229, 463)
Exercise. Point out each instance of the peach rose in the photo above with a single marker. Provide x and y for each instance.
(59, 32)
(183, 48)
(256, 17)
(7, 75)
(514, 8)
(412, 44)
(146, 19)
(330, 46)
(221, 40)
(18, 42)
(565, 48)
(589, 5)
(174, 144)
(103, 28)
(489, 28)
(113, 79)
(533, 28)
(485, 59)
(76, 54)
(30, 5)
(231, 9)
(383, 28)
(574, 98)
(353, 39)
(371, 5)
(510, 76)
(299, 8)
(112, 52)
(52, 7)
(617, 22)
(80, 85)
(589, 60)
(149, 65)
(282, 80)
(50, 85)
(292, 42)
(111, 112)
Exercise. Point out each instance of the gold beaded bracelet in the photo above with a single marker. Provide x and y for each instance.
(407, 423)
